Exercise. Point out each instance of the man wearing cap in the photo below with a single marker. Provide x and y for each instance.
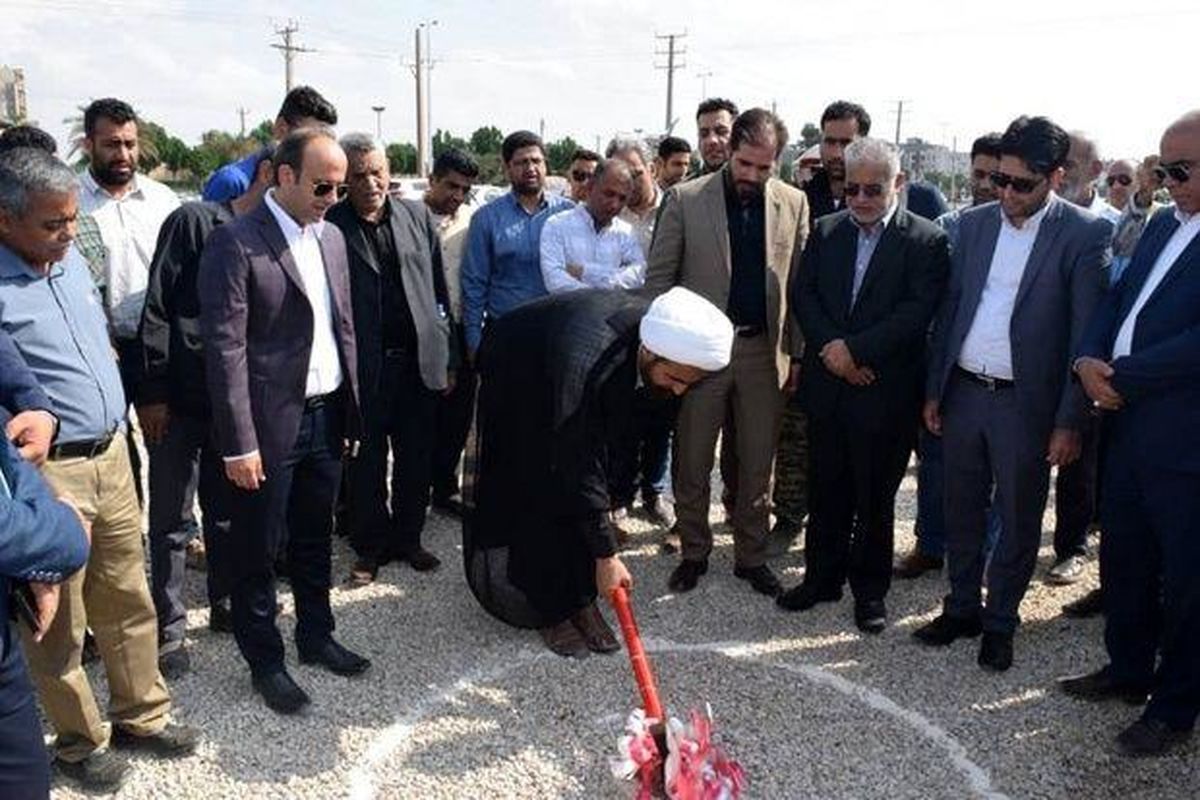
(557, 378)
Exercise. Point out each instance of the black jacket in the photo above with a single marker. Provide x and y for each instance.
(886, 328)
(172, 348)
(920, 198)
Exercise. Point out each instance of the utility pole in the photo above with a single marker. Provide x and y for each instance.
(242, 112)
(899, 119)
(671, 66)
(429, 85)
(419, 72)
(289, 50)
(542, 129)
(378, 122)
(704, 76)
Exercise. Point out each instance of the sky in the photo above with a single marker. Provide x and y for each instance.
(587, 68)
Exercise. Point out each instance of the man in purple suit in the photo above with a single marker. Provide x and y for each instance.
(279, 334)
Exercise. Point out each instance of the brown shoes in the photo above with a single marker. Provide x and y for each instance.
(596, 633)
(565, 640)
(916, 564)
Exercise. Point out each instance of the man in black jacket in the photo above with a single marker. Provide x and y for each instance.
(173, 408)
(869, 283)
(402, 321)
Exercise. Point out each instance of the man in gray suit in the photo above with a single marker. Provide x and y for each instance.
(1025, 275)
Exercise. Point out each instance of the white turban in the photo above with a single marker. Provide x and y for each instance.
(683, 327)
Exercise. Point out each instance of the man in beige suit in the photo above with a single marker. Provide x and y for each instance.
(731, 237)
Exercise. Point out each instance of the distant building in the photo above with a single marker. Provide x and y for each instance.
(13, 107)
(919, 157)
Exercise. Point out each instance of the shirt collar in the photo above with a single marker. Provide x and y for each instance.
(1186, 219)
(291, 229)
(1032, 224)
(881, 224)
(12, 265)
(543, 202)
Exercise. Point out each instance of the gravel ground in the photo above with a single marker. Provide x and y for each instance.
(459, 706)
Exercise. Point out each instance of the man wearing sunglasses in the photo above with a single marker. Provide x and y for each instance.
(579, 175)
(869, 283)
(1026, 273)
(278, 333)
(1120, 179)
(1138, 365)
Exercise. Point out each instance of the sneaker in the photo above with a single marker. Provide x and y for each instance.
(1067, 571)
(173, 741)
(102, 771)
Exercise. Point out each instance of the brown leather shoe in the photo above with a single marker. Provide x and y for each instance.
(916, 564)
(596, 633)
(363, 573)
(564, 639)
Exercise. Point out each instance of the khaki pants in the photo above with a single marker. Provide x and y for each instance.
(111, 595)
(749, 390)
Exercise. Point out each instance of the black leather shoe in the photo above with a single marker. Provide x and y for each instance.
(102, 771)
(1099, 686)
(419, 559)
(336, 659)
(1148, 738)
(280, 692)
(805, 596)
(220, 619)
(174, 664)
(685, 576)
(1089, 605)
(945, 629)
(761, 579)
(173, 741)
(870, 616)
(996, 651)
(782, 536)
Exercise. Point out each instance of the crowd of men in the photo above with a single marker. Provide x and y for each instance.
(282, 341)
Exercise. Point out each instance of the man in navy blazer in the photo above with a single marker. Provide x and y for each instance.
(1140, 364)
(279, 342)
(1026, 273)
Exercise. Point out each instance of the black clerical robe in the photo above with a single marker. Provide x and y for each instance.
(557, 379)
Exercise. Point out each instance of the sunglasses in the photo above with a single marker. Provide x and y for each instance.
(1178, 171)
(1124, 180)
(867, 189)
(579, 175)
(1003, 180)
(323, 188)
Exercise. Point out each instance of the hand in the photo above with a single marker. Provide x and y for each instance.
(153, 419)
(83, 521)
(246, 472)
(45, 598)
(837, 358)
(860, 376)
(32, 432)
(1096, 377)
(611, 573)
(451, 382)
(793, 379)
(932, 415)
(1065, 445)
(575, 271)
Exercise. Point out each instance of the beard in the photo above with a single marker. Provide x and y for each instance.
(107, 175)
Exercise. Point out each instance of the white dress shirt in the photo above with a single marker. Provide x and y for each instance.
(1189, 226)
(129, 227)
(611, 257)
(987, 348)
(1104, 210)
(324, 365)
(868, 240)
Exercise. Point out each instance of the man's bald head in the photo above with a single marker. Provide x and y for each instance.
(1180, 162)
(1122, 180)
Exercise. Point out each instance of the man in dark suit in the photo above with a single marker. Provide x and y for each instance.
(1026, 273)
(279, 348)
(1140, 364)
(869, 283)
(401, 320)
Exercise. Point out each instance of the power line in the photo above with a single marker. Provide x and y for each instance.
(671, 67)
(289, 50)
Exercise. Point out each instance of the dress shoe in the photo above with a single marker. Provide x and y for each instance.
(687, 574)
(658, 511)
(363, 573)
(174, 664)
(1148, 738)
(220, 618)
(945, 629)
(1067, 571)
(565, 640)
(916, 564)
(806, 595)
(595, 630)
(870, 616)
(101, 772)
(996, 651)
(671, 543)
(1099, 685)
(173, 741)
(1089, 605)
(782, 536)
(336, 659)
(280, 692)
(419, 558)
(761, 579)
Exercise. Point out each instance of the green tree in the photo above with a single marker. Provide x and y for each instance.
(402, 158)
(444, 140)
(147, 149)
(558, 154)
(810, 134)
(487, 140)
(263, 133)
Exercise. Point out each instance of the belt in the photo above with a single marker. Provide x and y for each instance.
(322, 400)
(89, 448)
(986, 381)
(747, 331)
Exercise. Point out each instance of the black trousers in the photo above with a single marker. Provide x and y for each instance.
(295, 504)
(24, 763)
(454, 414)
(854, 475)
(641, 454)
(402, 415)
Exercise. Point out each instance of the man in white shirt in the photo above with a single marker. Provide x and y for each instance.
(1081, 173)
(278, 334)
(642, 209)
(588, 246)
(1138, 365)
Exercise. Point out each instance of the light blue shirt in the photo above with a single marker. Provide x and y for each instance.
(58, 325)
(501, 268)
(868, 240)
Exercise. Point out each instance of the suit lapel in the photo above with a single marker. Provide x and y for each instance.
(719, 217)
(975, 274)
(273, 236)
(1147, 254)
(1190, 255)
(845, 252)
(1047, 232)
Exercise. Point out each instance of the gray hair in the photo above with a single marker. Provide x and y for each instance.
(26, 171)
(615, 165)
(624, 144)
(874, 152)
(360, 144)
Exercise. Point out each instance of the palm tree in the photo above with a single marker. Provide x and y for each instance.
(147, 146)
